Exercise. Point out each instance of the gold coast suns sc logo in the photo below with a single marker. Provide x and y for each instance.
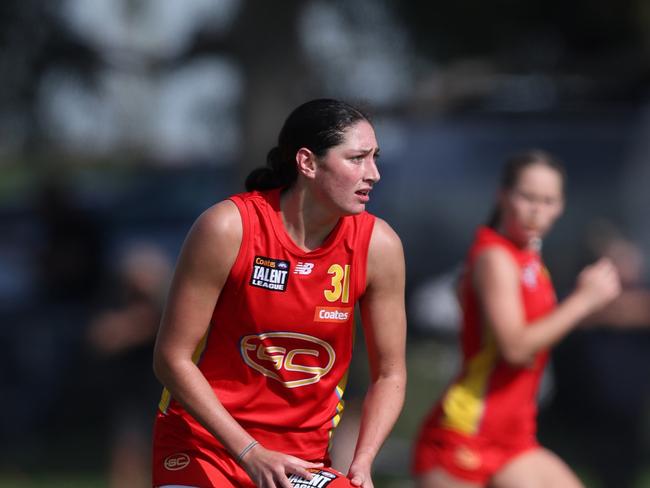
(176, 461)
(291, 358)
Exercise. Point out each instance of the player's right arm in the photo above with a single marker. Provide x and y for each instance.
(204, 264)
(497, 283)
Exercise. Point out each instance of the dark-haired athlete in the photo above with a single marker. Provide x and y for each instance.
(257, 333)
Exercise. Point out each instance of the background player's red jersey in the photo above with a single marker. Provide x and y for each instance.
(280, 340)
(491, 404)
(490, 396)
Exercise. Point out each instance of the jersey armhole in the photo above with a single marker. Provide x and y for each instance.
(239, 264)
(366, 228)
(477, 252)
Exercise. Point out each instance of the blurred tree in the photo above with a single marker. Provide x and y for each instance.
(260, 64)
(467, 28)
(32, 40)
(276, 79)
(604, 42)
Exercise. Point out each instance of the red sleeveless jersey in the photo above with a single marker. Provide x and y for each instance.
(281, 335)
(490, 397)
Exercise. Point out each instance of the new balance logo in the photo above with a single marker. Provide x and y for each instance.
(303, 268)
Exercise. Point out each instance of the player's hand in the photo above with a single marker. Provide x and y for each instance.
(271, 469)
(359, 474)
(599, 284)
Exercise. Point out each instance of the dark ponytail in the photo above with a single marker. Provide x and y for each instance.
(316, 125)
(513, 168)
(495, 217)
(273, 175)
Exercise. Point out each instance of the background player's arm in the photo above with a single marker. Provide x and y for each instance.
(384, 322)
(631, 310)
(206, 259)
(497, 282)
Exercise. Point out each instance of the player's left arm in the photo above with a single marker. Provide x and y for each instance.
(384, 322)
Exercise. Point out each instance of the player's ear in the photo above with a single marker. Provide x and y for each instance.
(306, 162)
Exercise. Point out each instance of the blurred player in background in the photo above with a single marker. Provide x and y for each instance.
(483, 430)
(120, 339)
(257, 334)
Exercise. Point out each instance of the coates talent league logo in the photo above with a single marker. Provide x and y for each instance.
(270, 273)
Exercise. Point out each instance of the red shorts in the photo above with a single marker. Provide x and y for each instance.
(174, 463)
(470, 458)
(184, 455)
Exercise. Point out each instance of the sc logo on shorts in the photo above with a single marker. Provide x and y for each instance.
(176, 461)
(291, 358)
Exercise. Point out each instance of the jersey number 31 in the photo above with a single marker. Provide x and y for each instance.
(340, 284)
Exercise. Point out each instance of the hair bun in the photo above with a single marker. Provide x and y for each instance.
(274, 158)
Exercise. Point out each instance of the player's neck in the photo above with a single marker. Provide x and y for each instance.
(306, 222)
(533, 244)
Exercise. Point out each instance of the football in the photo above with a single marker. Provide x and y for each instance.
(322, 477)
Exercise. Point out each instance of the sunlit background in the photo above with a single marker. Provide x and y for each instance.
(121, 120)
